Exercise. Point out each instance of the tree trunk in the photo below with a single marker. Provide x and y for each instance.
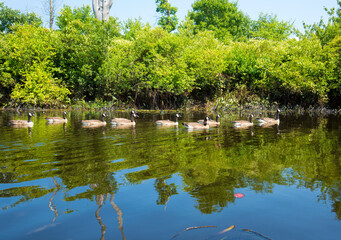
(101, 9)
(51, 14)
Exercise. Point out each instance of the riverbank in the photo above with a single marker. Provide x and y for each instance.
(208, 107)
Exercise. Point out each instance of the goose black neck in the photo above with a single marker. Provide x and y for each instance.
(217, 118)
(103, 118)
(132, 117)
(205, 122)
(176, 119)
(250, 118)
(277, 115)
(29, 118)
(64, 116)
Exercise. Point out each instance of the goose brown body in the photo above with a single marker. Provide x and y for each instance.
(94, 122)
(211, 123)
(269, 120)
(22, 123)
(125, 121)
(196, 125)
(168, 122)
(243, 123)
(57, 119)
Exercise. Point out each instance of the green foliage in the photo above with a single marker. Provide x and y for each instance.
(164, 66)
(10, 17)
(222, 17)
(83, 14)
(147, 68)
(39, 88)
(6, 80)
(326, 32)
(131, 27)
(287, 72)
(28, 68)
(82, 49)
(270, 28)
(29, 45)
(333, 60)
(215, 53)
(205, 62)
(168, 19)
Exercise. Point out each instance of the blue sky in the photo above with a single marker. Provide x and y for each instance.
(309, 11)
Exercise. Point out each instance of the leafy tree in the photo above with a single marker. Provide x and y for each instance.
(6, 80)
(40, 88)
(290, 72)
(10, 17)
(84, 41)
(168, 19)
(149, 70)
(333, 59)
(220, 16)
(205, 63)
(29, 45)
(83, 14)
(131, 27)
(29, 65)
(270, 28)
(326, 32)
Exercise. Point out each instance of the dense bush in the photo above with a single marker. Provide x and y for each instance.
(40, 88)
(290, 72)
(28, 70)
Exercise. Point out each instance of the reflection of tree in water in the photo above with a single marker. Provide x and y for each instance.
(165, 190)
(102, 191)
(52, 207)
(335, 195)
(211, 170)
(119, 215)
(25, 194)
(100, 199)
(215, 196)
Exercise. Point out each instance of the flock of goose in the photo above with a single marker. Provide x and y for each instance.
(200, 124)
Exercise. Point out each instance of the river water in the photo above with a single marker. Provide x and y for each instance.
(64, 181)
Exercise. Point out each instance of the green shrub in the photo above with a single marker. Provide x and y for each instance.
(40, 88)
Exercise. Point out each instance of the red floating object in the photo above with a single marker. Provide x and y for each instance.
(239, 195)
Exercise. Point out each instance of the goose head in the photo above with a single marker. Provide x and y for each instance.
(29, 116)
(205, 120)
(251, 116)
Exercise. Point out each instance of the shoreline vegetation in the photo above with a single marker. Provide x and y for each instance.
(210, 108)
(207, 63)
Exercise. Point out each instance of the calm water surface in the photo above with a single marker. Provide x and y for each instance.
(68, 182)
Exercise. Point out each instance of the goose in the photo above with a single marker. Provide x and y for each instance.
(270, 120)
(195, 125)
(22, 123)
(95, 123)
(57, 119)
(125, 121)
(168, 122)
(243, 123)
(212, 123)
